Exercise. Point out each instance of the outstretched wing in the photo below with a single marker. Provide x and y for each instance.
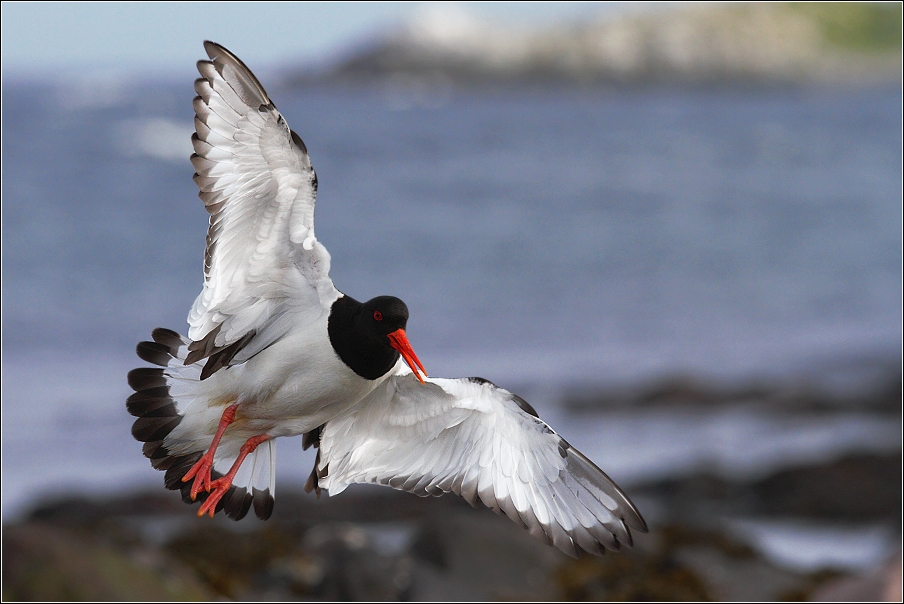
(481, 442)
(264, 271)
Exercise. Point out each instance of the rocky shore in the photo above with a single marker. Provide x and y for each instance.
(822, 527)
(373, 543)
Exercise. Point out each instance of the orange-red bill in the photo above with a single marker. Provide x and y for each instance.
(399, 341)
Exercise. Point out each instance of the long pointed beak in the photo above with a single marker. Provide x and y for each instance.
(399, 341)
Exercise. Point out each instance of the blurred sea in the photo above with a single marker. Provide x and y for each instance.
(548, 241)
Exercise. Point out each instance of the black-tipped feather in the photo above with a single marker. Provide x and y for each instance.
(300, 143)
(145, 378)
(151, 402)
(222, 357)
(263, 503)
(155, 353)
(154, 428)
(163, 463)
(168, 338)
(312, 438)
(202, 348)
(144, 406)
(525, 406)
(313, 481)
(237, 502)
(154, 449)
(172, 480)
(239, 76)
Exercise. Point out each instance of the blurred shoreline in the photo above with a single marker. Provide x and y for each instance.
(726, 44)
(869, 384)
(804, 528)
(795, 527)
(640, 432)
(784, 537)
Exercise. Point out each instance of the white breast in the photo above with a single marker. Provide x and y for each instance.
(296, 384)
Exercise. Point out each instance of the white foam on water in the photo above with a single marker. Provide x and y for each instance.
(810, 546)
(733, 442)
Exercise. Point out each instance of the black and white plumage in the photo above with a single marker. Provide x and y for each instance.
(474, 439)
(274, 349)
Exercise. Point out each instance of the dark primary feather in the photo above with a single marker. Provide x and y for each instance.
(236, 73)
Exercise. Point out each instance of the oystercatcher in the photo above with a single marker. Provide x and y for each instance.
(274, 349)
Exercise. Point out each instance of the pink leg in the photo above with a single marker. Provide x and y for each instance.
(220, 486)
(201, 470)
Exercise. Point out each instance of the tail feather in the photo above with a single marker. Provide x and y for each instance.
(172, 396)
(237, 502)
(146, 378)
(152, 402)
(170, 339)
(263, 503)
(155, 353)
(154, 428)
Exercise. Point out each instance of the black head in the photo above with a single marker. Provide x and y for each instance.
(382, 316)
(370, 337)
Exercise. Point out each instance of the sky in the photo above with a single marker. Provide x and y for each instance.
(46, 39)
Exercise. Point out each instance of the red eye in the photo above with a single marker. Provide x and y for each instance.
(378, 316)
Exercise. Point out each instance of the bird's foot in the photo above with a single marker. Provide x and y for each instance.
(217, 488)
(221, 486)
(201, 470)
(201, 473)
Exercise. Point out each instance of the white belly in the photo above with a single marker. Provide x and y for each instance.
(293, 386)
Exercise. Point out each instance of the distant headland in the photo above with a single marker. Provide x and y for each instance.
(685, 44)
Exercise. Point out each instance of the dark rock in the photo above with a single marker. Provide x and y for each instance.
(82, 510)
(43, 562)
(683, 563)
(857, 488)
(863, 385)
(881, 584)
(349, 568)
(431, 547)
(151, 546)
(475, 555)
(631, 578)
(227, 560)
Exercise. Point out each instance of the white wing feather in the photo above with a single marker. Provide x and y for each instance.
(264, 269)
(474, 439)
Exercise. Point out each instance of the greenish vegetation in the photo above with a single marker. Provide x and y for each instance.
(859, 26)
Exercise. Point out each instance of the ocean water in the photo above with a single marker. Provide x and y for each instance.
(540, 239)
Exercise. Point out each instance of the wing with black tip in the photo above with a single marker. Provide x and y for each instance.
(471, 438)
(264, 270)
